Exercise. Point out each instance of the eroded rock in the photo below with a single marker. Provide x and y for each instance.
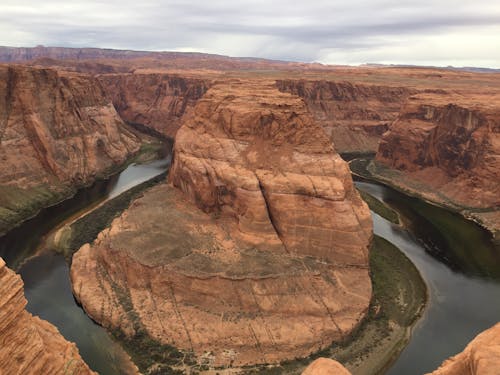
(256, 254)
(29, 345)
(480, 357)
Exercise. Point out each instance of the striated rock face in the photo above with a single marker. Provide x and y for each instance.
(354, 115)
(480, 357)
(448, 148)
(27, 343)
(56, 131)
(158, 101)
(258, 253)
(325, 366)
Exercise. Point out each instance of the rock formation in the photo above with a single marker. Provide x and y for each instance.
(57, 131)
(447, 148)
(29, 345)
(325, 366)
(256, 254)
(480, 357)
(354, 115)
(158, 101)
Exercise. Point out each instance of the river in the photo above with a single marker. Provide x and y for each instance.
(461, 268)
(46, 276)
(455, 257)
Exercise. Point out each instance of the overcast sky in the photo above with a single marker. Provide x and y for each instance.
(423, 32)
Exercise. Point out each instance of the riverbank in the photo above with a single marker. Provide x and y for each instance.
(366, 167)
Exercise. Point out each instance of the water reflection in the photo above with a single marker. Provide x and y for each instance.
(464, 298)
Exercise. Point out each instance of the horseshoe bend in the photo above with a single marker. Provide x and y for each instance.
(256, 251)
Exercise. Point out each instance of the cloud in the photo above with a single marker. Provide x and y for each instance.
(356, 31)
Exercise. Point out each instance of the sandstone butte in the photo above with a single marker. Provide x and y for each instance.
(29, 345)
(480, 357)
(58, 131)
(257, 250)
(446, 147)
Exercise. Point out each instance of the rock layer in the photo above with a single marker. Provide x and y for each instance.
(447, 148)
(57, 131)
(259, 251)
(29, 345)
(158, 101)
(480, 357)
(354, 115)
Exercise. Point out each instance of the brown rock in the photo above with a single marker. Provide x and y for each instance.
(354, 115)
(259, 255)
(447, 147)
(157, 101)
(325, 366)
(57, 131)
(27, 343)
(480, 357)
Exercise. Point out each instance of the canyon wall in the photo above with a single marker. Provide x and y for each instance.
(258, 250)
(447, 148)
(157, 101)
(480, 357)
(57, 131)
(29, 345)
(354, 115)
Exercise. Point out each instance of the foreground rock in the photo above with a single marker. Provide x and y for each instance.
(29, 344)
(325, 366)
(354, 115)
(257, 254)
(156, 101)
(447, 149)
(57, 131)
(480, 357)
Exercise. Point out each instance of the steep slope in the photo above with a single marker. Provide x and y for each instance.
(446, 147)
(57, 131)
(29, 344)
(354, 115)
(258, 253)
(480, 357)
(158, 101)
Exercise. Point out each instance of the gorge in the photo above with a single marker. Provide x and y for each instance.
(256, 250)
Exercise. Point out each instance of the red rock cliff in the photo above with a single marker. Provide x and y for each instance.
(29, 345)
(480, 357)
(258, 254)
(354, 115)
(156, 100)
(447, 147)
(56, 131)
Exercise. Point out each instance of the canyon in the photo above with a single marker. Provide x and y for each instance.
(29, 344)
(58, 131)
(446, 148)
(260, 219)
(255, 251)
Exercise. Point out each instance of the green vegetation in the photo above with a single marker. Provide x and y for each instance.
(379, 207)
(399, 295)
(18, 204)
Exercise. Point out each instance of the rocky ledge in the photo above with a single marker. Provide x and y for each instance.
(258, 250)
(30, 345)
